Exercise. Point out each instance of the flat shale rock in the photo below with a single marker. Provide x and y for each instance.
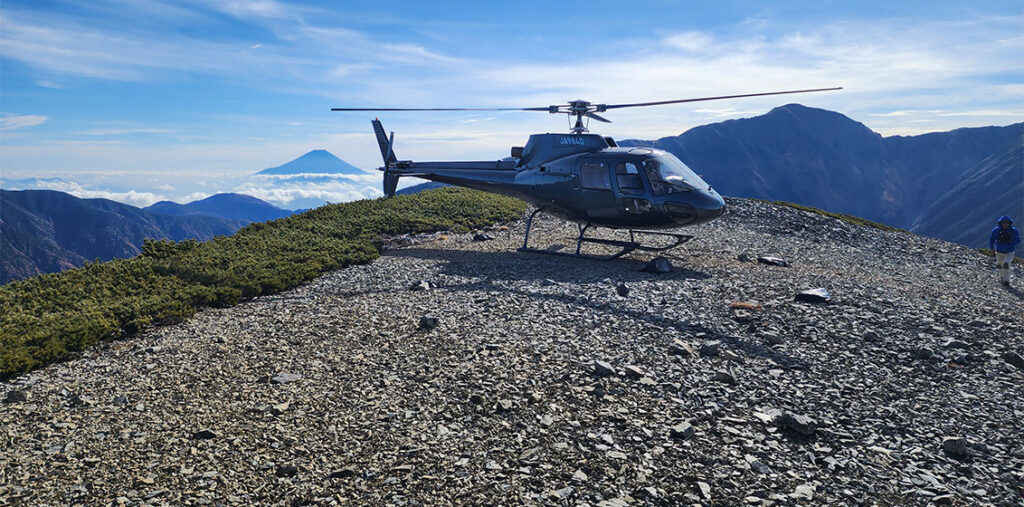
(955, 446)
(773, 261)
(545, 387)
(658, 265)
(1014, 359)
(711, 349)
(682, 431)
(428, 323)
(285, 378)
(633, 371)
(204, 435)
(603, 369)
(15, 396)
(819, 295)
(678, 348)
(343, 473)
(725, 377)
(798, 423)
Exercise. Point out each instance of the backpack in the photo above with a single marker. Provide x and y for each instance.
(1005, 236)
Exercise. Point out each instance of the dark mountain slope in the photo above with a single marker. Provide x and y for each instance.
(930, 164)
(967, 212)
(243, 208)
(44, 231)
(794, 153)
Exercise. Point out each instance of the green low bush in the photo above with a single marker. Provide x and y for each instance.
(46, 318)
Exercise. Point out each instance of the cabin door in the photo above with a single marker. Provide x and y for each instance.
(596, 195)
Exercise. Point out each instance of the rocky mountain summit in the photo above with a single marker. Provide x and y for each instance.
(453, 371)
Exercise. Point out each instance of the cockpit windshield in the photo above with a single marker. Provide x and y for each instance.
(668, 174)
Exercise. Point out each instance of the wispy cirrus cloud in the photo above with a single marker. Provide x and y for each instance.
(689, 41)
(125, 131)
(10, 121)
(65, 46)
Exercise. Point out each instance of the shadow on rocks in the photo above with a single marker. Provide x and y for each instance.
(1015, 291)
(524, 266)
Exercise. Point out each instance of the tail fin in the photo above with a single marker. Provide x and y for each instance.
(387, 152)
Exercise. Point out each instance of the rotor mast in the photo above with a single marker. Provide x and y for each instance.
(580, 108)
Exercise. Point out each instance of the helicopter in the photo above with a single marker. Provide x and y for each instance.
(581, 177)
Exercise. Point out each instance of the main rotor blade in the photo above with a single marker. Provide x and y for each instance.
(596, 117)
(642, 104)
(439, 109)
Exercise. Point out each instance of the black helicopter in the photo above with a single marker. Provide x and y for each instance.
(582, 177)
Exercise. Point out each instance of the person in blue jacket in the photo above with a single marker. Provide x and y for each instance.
(1004, 240)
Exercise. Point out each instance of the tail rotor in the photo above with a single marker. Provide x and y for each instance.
(387, 152)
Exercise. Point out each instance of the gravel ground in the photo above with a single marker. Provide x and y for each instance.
(542, 384)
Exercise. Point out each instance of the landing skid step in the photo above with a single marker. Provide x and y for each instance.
(624, 246)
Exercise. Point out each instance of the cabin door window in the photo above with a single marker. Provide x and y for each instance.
(594, 175)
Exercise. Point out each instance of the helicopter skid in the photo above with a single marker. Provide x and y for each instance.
(625, 247)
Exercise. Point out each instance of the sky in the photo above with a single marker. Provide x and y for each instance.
(145, 100)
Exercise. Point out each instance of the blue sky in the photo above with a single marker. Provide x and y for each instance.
(141, 100)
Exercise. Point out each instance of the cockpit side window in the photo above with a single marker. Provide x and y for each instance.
(627, 176)
(658, 185)
(595, 175)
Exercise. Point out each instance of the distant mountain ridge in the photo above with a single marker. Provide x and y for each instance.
(314, 162)
(826, 160)
(950, 185)
(45, 231)
(243, 208)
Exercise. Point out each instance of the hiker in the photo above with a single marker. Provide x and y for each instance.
(1004, 240)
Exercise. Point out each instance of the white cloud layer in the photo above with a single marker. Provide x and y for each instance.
(285, 194)
(301, 177)
(288, 197)
(140, 199)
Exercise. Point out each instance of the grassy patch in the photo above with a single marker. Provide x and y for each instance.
(46, 318)
(855, 220)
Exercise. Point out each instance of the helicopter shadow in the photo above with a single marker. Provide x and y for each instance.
(526, 266)
(491, 267)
